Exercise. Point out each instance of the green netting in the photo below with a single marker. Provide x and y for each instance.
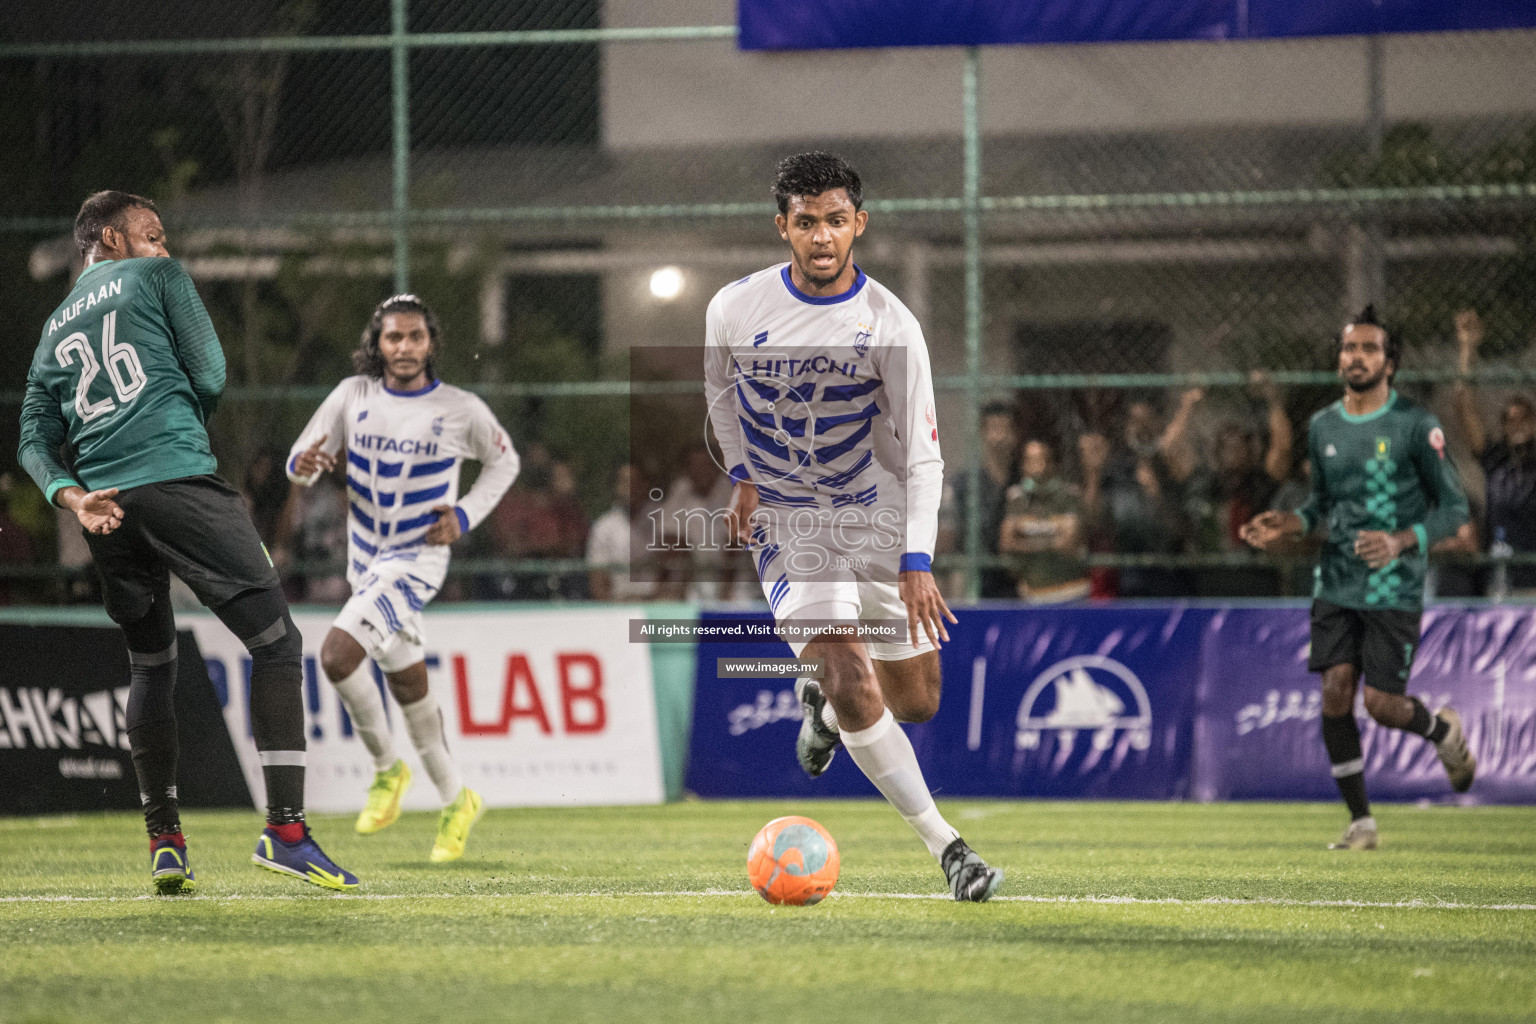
(529, 166)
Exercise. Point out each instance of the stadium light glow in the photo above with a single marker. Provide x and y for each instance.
(667, 283)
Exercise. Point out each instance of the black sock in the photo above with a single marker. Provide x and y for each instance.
(151, 717)
(154, 762)
(260, 619)
(1431, 727)
(1341, 738)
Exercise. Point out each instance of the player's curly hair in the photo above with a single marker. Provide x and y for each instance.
(368, 360)
(811, 174)
(1393, 346)
(103, 210)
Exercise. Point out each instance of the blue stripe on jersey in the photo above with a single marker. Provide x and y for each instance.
(864, 497)
(826, 423)
(358, 486)
(757, 439)
(848, 392)
(780, 588)
(358, 461)
(765, 556)
(411, 524)
(763, 419)
(793, 427)
(423, 583)
(363, 519)
(388, 611)
(802, 392)
(774, 471)
(411, 599)
(843, 447)
(769, 496)
(848, 475)
(390, 468)
(417, 497)
(368, 549)
(428, 468)
(384, 499)
(358, 566)
(766, 393)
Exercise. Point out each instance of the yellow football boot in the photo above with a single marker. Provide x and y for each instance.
(384, 798)
(453, 825)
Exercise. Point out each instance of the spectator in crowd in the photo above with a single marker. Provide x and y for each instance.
(15, 541)
(1042, 530)
(622, 536)
(999, 450)
(1133, 491)
(266, 494)
(706, 564)
(541, 517)
(1245, 473)
(1508, 461)
(316, 534)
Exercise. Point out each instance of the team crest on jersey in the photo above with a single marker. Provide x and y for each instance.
(1383, 447)
(861, 340)
(437, 426)
(362, 415)
(1437, 441)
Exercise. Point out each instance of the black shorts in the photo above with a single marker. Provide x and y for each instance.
(196, 527)
(1380, 643)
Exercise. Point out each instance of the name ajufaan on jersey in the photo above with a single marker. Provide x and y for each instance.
(403, 451)
(826, 403)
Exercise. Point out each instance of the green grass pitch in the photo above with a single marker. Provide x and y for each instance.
(1111, 912)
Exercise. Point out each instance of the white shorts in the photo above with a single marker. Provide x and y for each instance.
(384, 614)
(845, 601)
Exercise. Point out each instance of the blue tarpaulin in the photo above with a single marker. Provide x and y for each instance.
(821, 24)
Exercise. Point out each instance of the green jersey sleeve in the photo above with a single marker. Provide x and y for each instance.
(1447, 501)
(192, 334)
(43, 433)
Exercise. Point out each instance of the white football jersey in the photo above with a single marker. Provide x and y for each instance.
(402, 452)
(826, 403)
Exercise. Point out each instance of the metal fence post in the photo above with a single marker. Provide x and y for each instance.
(399, 58)
(973, 313)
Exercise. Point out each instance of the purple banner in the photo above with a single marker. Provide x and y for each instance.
(1145, 703)
(1094, 702)
(818, 24)
(1257, 732)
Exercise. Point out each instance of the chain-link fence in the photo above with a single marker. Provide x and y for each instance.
(1134, 256)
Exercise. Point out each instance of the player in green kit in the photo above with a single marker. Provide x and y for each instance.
(112, 428)
(1384, 489)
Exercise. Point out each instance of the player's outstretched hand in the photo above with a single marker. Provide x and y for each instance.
(97, 512)
(738, 514)
(446, 529)
(924, 605)
(313, 460)
(1377, 548)
(1268, 528)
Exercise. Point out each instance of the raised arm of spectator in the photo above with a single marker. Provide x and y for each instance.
(1469, 335)
(1093, 453)
(1277, 460)
(1176, 446)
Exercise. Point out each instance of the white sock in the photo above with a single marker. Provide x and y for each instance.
(828, 716)
(424, 724)
(885, 755)
(360, 695)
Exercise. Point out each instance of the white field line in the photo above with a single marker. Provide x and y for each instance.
(1231, 901)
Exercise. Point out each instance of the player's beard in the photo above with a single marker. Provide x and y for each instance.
(1366, 384)
(822, 281)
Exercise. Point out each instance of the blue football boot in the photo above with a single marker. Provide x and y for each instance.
(169, 869)
(303, 859)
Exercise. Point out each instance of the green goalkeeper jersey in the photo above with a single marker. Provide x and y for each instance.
(1385, 470)
(127, 372)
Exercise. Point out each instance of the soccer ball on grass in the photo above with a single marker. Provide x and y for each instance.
(793, 860)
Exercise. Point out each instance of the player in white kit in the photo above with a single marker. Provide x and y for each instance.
(822, 402)
(403, 435)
